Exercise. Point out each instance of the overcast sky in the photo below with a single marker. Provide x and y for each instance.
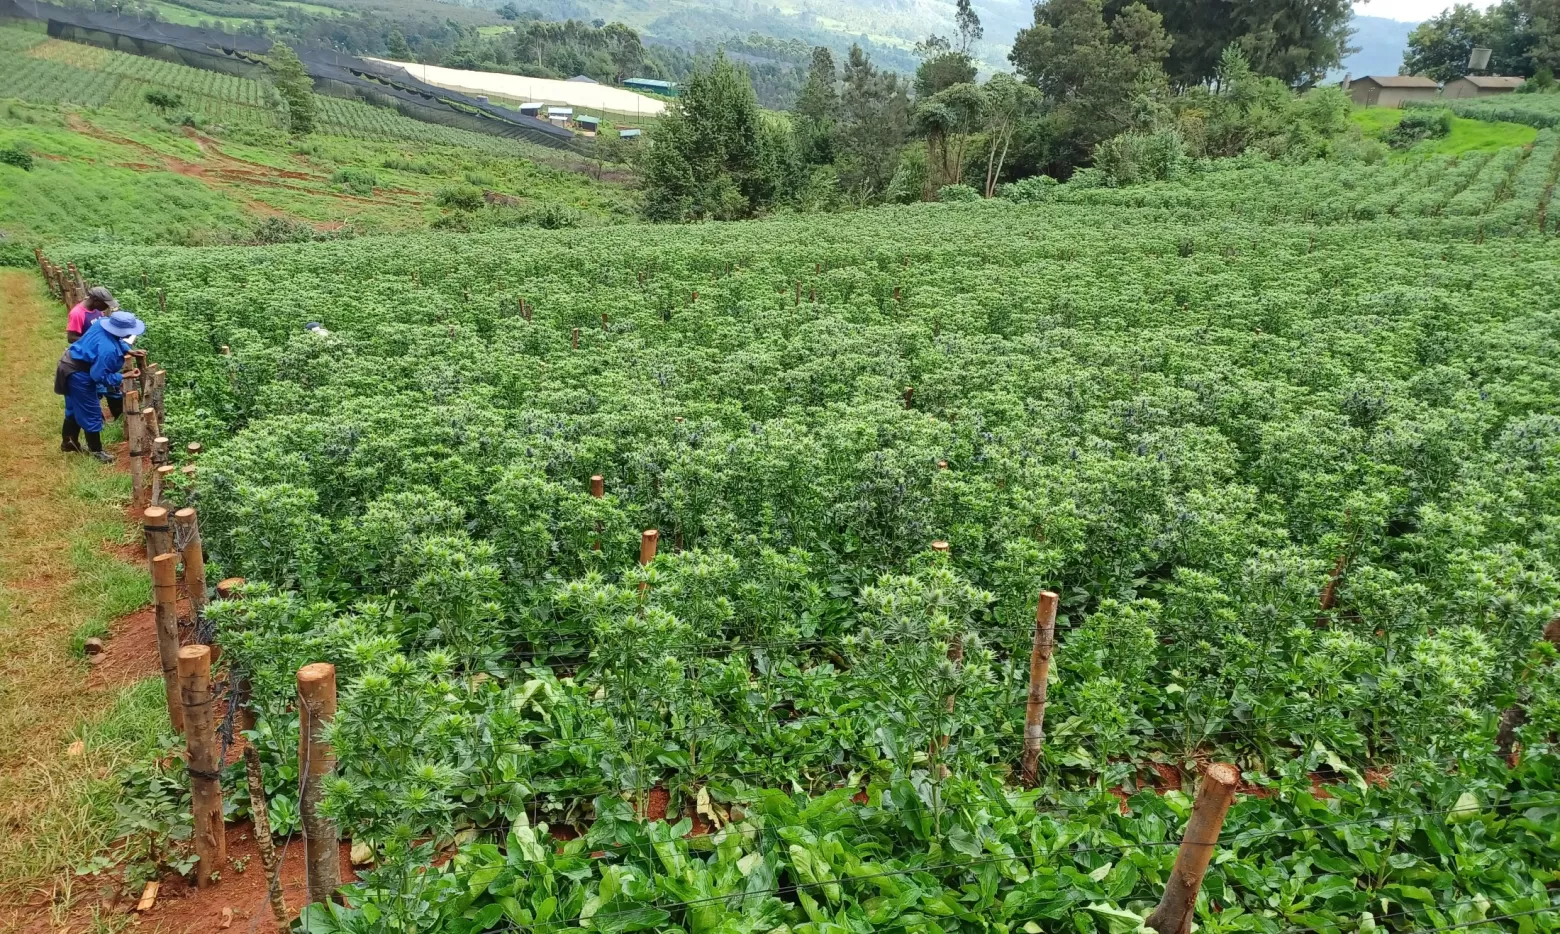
(1409, 11)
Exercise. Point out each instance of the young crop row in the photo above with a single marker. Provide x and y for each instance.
(1293, 483)
(1540, 110)
(357, 120)
(193, 81)
(41, 81)
(18, 41)
(1480, 188)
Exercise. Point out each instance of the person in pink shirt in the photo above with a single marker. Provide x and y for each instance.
(99, 303)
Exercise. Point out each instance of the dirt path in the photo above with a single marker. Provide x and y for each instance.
(58, 580)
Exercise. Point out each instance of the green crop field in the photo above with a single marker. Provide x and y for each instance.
(1281, 440)
(1538, 110)
(112, 166)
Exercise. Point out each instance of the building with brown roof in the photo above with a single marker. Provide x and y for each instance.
(1390, 90)
(1481, 85)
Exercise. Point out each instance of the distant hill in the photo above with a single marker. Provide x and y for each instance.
(1380, 42)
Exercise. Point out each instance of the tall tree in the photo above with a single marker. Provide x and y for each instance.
(968, 24)
(396, 47)
(874, 124)
(948, 119)
(293, 83)
(1439, 47)
(624, 48)
(1540, 37)
(1296, 41)
(817, 110)
(941, 66)
(713, 155)
(1094, 74)
(1009, 102)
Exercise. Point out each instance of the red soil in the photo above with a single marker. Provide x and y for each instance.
(239, 898)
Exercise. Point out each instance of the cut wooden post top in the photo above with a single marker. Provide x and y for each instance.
(227, 586)
(194, 658)
(940, 547)
(187, 514)
(316, 674)
(154, 515)
(165, 570)
(1220, 773)
(598, 486)
(193, 448)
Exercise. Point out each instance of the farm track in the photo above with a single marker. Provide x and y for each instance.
(46, 694)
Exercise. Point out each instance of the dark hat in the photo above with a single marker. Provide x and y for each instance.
(102, 294)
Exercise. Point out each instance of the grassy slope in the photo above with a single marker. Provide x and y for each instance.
(59, 582)
(1466, 136)
(104, 174)
(111, 166)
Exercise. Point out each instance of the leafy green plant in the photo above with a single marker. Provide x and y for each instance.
(461, 197)
(358, 181)
(11, 155)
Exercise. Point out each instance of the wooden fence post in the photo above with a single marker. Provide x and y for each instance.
(575, 341)
(160, 445)
(228, 586)
(647, 543)
(1039, 673)
(598, 489)
(1514, 716)
(1179, 903)
(316, 760)
(162, 300)
(909, 395)
(204, 766)
(159, 386)
(159, 536)
(134, 432)
(194, 556)
(260, 815)
(165, 588)
(160, 483)
(149, 424)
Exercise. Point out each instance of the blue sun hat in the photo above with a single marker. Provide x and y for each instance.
(123, 324)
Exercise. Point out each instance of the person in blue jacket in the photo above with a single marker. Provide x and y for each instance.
(88, 369)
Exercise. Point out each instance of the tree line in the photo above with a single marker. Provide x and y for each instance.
(1523, 37)
(1100, 92)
